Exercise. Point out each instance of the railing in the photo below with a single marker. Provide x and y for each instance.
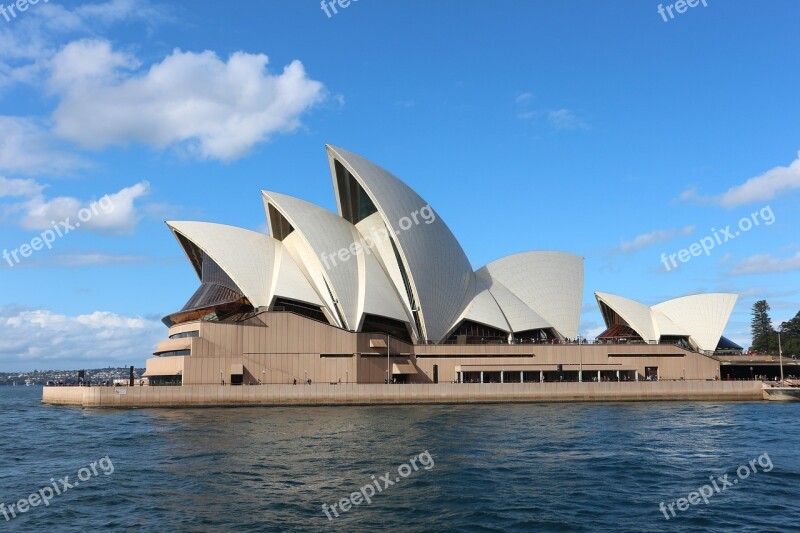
(554, 342)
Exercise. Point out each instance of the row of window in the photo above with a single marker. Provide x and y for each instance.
(175, 353)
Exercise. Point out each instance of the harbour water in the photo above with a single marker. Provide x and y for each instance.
(513, 467)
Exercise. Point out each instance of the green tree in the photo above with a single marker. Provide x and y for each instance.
(790, 336)
(791, 328)
(761, 328)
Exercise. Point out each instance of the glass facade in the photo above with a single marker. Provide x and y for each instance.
(185, 334)
(356, 203)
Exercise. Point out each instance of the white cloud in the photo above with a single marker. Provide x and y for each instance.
(561, 119)
(120, 10)
(523, 97)
(9, 187)
(194, 102)
(79, 259)
(592, 333)
(115, 213)
(32, 39)
(43, 339)
(766, 186)
(654, 237)
(26, 147)
(564, 119)
(765, 264)
(97, 258)
(88, 63)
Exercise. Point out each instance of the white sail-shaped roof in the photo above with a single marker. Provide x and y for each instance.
(665, 325)
(520, 317)
(357, 282)
(704, 316)
(483, 308)
(550, 283)
(701, 317)
(636, 314)
(254, 261)
(389, 254)
(438, 271)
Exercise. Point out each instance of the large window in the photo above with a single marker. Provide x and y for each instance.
(379, 324)
(217, 298)
(356, 203)
(541, 335)
(159, 381)
(300, 308)
(469, 332)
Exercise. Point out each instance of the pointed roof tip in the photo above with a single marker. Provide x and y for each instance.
(337, 150)
(193, 225)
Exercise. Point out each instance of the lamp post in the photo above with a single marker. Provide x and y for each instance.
(780, 356)
(263, 376)
(388, 364)
(220, 378)
(751, 373)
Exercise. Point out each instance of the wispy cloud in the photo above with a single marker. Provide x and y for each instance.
(80, 259)
(593, 332)
(766, 186)
(560, 119)
(98, 258)
(654, 237)
(16, 187)
(765, 264)
(525, 115)
(27, 147)
(523, 97)
(565, 119)
(30, 43)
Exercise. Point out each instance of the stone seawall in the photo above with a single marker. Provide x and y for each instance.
(379, 394)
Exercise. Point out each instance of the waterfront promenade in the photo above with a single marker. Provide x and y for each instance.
(381, 394)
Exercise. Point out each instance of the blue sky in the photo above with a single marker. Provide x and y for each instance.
(593, 128)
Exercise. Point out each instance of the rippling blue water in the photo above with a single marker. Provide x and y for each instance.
(534, 467)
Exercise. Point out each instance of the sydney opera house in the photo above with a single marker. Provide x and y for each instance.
(382, 292)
